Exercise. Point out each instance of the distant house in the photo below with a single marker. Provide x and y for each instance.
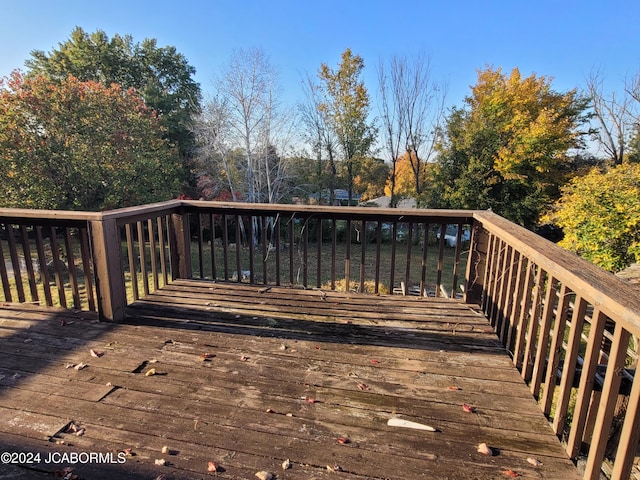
(340, 198)
(385, 202)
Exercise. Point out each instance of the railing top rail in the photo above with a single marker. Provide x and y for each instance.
(357, 213)
(144, 211)
(20, 214)
(618, 299)
(129, 214)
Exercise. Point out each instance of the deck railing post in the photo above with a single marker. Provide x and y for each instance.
(180, 245)
(107, 265)
(476, 264)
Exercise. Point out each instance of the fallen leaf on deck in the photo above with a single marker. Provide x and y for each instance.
(212, 467)
(63, 322)
(244, 358)
(286, 464)
(80, 366)
(127, 451)
(485, 450)
(95, 353)
(511, 473)
(453, 387)
(28, 340)
(206, 356)
(468, 408)
(310, 400)
(165, 449)
(374, 361)
(80, 432)
(264, 475)
(73, 427)
(264, 290)
(160, 461)
(270, 410)
(535, 462)
(66, 474)
(334, 468)
(70, 365)
(363, 386)
(343, 440)
(151, 371)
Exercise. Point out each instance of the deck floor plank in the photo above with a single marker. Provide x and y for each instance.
(362, 359)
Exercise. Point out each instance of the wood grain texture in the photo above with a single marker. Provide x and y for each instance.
(249, 379)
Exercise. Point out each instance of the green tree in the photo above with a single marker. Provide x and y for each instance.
(347, 107)
(81, 145)
(634, 147)
(161, 75)
(506, 149)
(600, 216)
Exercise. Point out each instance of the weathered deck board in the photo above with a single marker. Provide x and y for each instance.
(363, 359)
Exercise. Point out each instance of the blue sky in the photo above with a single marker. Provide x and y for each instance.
(561, 39)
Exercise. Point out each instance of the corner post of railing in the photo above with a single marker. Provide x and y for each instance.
(107, 265)
(476, 264)
(180, 245)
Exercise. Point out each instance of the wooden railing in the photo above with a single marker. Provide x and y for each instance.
(571, 329)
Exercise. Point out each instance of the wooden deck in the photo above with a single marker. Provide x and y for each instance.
(248, 377)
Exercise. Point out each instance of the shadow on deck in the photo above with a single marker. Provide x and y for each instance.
(249, 377)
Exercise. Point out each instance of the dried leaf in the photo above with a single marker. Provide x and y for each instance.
(310, 400)
(151, 371)
(363, 386)
(80, 366)
(485, 450)
(535, 462)
(70, 365)
(511, 473)
(270, 410)
(343, 440)
(374, 361)
(454, 388)
(73, 427)
(468, 408)
(127, 451)
(286, 465)
(95, 353)
(263, 475)
(212, 467)
(160, 461)
(80, 432)
(244, 358)
(208, 355)
(334, 468)
(165, 449)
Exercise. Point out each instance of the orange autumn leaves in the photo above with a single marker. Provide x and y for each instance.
(80, 145)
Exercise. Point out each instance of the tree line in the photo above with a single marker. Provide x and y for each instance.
(100, 123)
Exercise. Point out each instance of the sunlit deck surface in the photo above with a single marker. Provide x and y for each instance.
(248, 377)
